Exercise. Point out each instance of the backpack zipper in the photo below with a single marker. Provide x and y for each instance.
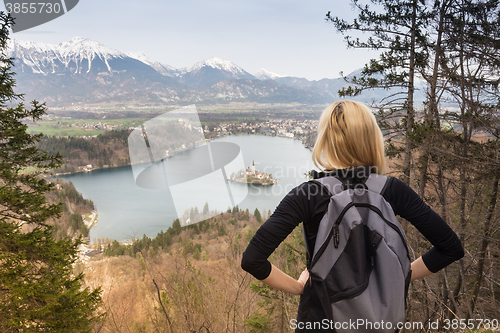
(334, 232)
(392, 225)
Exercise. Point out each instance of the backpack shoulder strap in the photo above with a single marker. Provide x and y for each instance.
(377, 183)
(332, 184)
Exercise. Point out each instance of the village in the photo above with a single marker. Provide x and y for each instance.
(288, 128)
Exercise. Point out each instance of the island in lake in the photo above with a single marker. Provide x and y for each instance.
(252, 176)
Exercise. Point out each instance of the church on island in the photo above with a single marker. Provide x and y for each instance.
(252, 176)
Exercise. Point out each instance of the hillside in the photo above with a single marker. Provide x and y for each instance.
(190, 280)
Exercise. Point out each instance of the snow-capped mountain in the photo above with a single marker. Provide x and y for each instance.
(208, 72)
(77, 55)
(85, 71)
(85, 48)
(159, 67)
(80, 70)
(23, 48)
(263, 74)
(218, 63)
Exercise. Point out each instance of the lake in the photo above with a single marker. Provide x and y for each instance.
(126, 210)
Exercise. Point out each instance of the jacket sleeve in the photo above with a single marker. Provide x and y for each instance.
(290, 212)
(447, 248)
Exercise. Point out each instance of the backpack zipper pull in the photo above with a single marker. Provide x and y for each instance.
(336, 236)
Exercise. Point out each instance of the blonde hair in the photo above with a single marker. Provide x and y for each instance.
(348, 136)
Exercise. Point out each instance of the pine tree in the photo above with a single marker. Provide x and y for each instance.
(38, 290)
(398, 29)
(469, 58)
(257, 215)
(457, 137)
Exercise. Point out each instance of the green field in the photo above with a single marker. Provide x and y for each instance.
(62, 127)
(30, 169)
(63, 131)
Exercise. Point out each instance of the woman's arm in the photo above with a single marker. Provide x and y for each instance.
(419, 270)
(407, 204)
(284, 282)
(293, 209)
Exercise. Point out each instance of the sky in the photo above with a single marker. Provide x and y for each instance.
(287, 37)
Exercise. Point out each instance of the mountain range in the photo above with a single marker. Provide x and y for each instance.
(83, 71)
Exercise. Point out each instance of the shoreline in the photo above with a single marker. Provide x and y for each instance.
(78, 172)
(252, 183)
(208, 140)
(93, 220)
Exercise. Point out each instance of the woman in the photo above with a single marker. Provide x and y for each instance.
(348, 138)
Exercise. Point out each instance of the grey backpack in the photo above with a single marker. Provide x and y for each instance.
(360, 266)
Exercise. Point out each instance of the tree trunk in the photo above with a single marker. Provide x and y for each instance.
(465, 145)
(409, 107)
(484, 245)
(424, 158)
(433, 107)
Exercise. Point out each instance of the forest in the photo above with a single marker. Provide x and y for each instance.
(107, 149)
(448, 149)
